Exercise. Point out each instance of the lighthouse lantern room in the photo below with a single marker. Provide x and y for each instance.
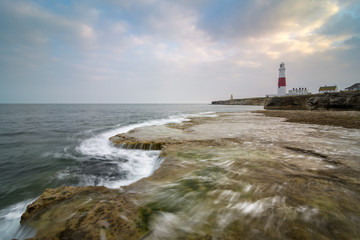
(282, 80)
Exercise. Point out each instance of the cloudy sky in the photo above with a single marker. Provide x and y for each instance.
(169, 51)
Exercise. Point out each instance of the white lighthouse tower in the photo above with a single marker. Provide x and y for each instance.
(282, 80)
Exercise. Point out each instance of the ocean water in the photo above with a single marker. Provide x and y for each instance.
(51, 145)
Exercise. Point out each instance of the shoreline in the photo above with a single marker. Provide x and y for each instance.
(346, 119)
(229, 174)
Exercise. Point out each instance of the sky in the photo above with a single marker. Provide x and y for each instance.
(172, 51)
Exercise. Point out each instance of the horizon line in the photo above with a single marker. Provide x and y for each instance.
(98, 103)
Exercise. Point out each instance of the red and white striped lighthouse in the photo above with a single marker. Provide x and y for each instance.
(282, 80)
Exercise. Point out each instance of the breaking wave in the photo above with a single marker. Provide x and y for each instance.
(10, 223)
(103, 164)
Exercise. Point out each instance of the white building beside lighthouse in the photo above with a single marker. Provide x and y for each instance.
(282, 80)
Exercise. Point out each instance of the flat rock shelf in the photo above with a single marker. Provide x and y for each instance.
(234, 176)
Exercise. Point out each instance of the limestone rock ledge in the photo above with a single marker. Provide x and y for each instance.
(84, 213)
(130, 212)
(124, 141)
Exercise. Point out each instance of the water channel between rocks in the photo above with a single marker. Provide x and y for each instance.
(246, 176)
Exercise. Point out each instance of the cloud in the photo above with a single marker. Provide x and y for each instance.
(185, 50)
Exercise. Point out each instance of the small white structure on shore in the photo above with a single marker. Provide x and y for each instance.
(299, 91)
(327, 89)
(282, 80)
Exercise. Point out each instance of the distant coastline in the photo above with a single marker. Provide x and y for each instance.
(258, 101)
(345, 100)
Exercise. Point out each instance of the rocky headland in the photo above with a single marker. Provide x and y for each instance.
(346, 100)
(236, 175)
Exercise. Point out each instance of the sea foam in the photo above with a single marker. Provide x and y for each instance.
(10, 222)
(134, 164)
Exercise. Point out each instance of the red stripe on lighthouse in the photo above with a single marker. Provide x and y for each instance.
(282, 82)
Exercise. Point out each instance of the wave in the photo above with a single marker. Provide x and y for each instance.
(100, 146)
(103, 164)
(10, 222)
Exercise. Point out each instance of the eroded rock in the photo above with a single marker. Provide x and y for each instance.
(131, 143)
(84, 213)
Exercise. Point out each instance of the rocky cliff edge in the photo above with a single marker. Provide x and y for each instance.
(326, 101)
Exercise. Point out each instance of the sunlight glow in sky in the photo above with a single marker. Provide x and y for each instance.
(158, 51)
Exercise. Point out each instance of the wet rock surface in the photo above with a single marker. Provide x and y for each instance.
(84, 213)
(123, 141)
(240, 175)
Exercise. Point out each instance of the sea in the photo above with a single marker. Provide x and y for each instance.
(51, 145)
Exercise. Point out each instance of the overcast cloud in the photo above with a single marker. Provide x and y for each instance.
(158, 51)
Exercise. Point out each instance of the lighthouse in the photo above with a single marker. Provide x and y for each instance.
(282, 80)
